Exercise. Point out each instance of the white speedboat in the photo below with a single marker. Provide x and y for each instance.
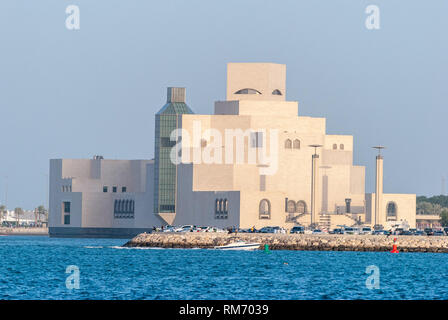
(239, 245)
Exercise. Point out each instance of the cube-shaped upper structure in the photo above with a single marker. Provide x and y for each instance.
(256, 81)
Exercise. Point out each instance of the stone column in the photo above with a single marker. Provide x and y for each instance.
(379, 191)
(314, 189)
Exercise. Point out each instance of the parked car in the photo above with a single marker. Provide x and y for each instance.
(419, 233)
(438, 233)
(317, 231)
(265, 230)
(350, 230)
(277, 229)
(168, 229)
(337, 231)
(270, 230)
(298, 229)
(381, 232)
(429, 231)
(366, 230)
(186, 228)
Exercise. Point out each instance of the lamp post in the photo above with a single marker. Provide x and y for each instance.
(378, 186)
(314, 183)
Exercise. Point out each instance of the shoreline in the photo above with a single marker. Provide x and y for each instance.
(294, 242)
(24, 232)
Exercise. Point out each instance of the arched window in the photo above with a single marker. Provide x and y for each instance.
(301, 207)
(264, 209)
(115, 206)
(248, 91)
(226, 205)
(391, 211)
(291, 206)
(221, 203)
(131, 209)
(216, 206)
(277, 92)
(341, 146)
(296, 144)
(288, 144)
(335, 146)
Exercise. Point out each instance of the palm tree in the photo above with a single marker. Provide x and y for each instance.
(18, 212)
(40, 211)
(2, 212)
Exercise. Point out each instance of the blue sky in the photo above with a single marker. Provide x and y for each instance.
(74, 94)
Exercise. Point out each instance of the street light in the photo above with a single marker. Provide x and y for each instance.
(378, 185)
(314, 182)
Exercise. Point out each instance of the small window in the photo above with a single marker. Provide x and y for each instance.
(248, 91)
(264, 210)
(291, 206)
(301, 207)
(296, 144)
(104, 189)
(335, 146)
(123, 189)
(288, 144)
(114, 189)
(277, 92)
(67, 219)
(341, 146)
(66, 207)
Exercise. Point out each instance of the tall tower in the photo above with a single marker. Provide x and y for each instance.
(379, 187)
(165, 172)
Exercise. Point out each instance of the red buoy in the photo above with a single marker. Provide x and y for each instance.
(394, 247)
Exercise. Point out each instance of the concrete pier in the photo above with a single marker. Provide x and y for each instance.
(325, 242)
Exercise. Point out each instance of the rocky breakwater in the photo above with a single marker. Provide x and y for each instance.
(325, 242)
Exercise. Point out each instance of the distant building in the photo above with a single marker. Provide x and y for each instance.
(248, 164)
(27, 218)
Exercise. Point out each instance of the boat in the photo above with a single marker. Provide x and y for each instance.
(239, 245)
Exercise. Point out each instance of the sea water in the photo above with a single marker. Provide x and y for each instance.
(39, 267)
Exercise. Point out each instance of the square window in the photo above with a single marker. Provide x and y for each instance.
(114, 189)
(104, 189)
(123, 189)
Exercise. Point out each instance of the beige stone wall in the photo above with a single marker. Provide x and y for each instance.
(263, 77)
(406, 208)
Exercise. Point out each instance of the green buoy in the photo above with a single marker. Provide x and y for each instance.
(266, 248)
